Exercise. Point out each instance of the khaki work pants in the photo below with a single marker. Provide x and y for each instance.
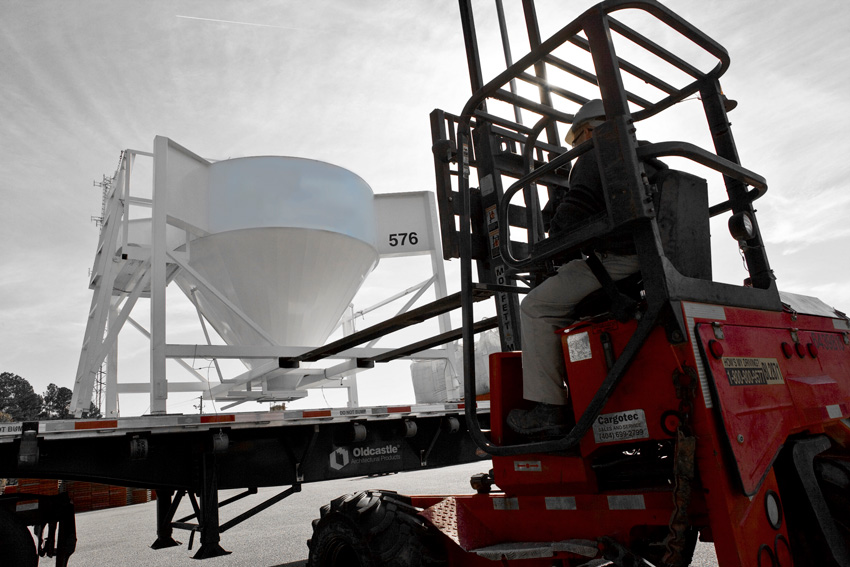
(549, 307)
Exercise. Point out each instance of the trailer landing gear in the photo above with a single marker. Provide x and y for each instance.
(373, 528)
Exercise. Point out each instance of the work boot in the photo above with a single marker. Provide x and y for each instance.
(547, 419)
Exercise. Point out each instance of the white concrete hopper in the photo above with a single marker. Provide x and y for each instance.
(288, 241)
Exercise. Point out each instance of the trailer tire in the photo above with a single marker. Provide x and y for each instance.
(373, 528)
(17, 547)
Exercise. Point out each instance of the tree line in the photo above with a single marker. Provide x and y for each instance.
(20, 402)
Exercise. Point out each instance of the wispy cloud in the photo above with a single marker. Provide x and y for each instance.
(799, 221)
(240, 23)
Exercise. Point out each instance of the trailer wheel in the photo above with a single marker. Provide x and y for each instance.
(370, 529)
(16, 544)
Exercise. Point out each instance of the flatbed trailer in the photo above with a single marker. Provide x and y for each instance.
(194, 456)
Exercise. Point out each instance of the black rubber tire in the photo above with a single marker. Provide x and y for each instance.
(374, 528)
(17, 547)
(809, 544)
(834, 478)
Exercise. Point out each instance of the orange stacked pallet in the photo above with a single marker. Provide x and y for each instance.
(139, 496)
(80, 495)
(118, 496)
(99, 496)
(86, 496)
(38, 486)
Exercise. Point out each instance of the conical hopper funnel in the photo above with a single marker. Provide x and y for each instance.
(290, 241)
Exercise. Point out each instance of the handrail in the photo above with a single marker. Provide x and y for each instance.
(712, 161)
(646, 151)
(504, 227)
(565, 34)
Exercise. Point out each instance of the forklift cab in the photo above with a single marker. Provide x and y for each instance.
(496, 227)
(676, 374)
(705, 409)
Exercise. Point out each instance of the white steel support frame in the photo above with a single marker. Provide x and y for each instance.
(159, 382)
(105, 269)
(144, 271)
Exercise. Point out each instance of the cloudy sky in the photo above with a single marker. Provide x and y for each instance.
(351, 83)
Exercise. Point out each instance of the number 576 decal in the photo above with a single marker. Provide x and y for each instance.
(402, 238)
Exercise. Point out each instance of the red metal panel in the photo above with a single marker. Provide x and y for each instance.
(505, 394)
(647, 387)
(764, 410)
(480, 520)
(764, 397)
(534, 473)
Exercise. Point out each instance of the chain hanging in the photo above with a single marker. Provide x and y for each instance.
(676, 544)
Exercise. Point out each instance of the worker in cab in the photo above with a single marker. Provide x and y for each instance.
(550, 306)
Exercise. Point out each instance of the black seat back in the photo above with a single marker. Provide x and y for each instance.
(683, 222)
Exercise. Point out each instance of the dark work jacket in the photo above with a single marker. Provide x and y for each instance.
(586, 199)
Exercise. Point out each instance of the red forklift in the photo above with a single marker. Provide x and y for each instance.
(703, 410)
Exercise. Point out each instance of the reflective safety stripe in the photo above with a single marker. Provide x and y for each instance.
(317, 413)
(626, 502)
(217, 418)
(528, 466)
(25, 506)
(505, 503)
(701, 311)
(560, 502)
(103, 424)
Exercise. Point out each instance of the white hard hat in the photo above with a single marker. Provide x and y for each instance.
(592, 114)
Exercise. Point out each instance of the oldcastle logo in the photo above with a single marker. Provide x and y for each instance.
(341, 457)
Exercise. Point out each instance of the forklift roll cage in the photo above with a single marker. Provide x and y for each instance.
(477, 139)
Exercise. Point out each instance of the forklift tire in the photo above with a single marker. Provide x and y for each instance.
(373, 528)
(815, 489)
(17, 547)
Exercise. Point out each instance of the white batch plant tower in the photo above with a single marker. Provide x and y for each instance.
(270, 250)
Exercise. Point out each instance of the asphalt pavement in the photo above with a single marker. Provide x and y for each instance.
(276, 537)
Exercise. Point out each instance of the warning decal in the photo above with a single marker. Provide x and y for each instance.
(620, 426)
(579, 347)
(744, 371)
